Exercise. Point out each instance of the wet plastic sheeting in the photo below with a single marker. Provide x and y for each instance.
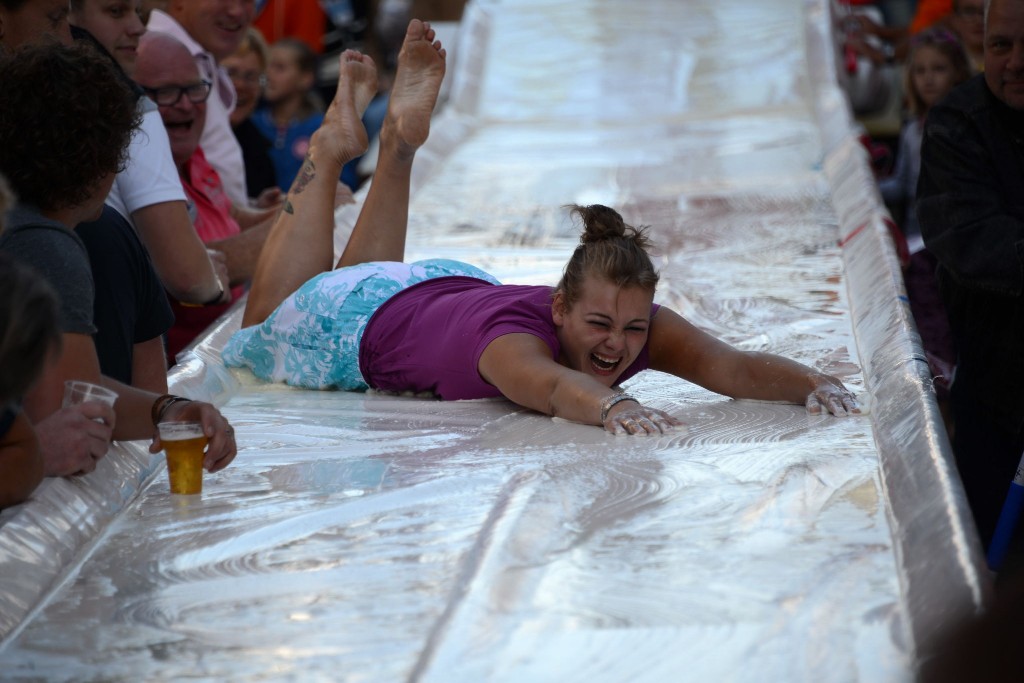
(367, 537)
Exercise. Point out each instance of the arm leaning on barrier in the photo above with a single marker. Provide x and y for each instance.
(135, 415)
(179, 256)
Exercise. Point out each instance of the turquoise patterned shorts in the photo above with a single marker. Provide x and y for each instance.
(312, 339)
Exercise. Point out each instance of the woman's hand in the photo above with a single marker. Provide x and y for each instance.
(830, 394)
(632, 417)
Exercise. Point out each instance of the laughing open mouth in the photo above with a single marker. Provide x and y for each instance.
(603, 364)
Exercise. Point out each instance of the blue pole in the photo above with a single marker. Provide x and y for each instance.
(1008, 519)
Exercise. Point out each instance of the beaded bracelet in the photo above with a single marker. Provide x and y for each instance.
(161, 405)
(608, 401)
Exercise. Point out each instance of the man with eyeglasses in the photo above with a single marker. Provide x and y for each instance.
(211, 30)
(169, 75)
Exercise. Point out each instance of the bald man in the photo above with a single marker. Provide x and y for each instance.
(168, 73)
(212, 30)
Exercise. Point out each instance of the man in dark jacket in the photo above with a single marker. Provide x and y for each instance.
(971, 210)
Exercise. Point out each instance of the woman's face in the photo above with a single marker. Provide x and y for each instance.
(116, 25)
(32, 21)
(969, 22)
(284, 78)
(931, 73)
(246, 72)
(604, 332)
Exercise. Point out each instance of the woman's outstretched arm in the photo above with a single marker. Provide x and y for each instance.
(679, 348)
(521, 367)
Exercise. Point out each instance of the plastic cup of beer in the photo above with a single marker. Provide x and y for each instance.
(77, 391)
(183, 444)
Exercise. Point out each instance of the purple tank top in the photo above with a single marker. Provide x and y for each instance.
(430, 336)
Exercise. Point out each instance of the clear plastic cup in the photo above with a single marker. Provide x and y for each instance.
(77, 391)
(184, 444)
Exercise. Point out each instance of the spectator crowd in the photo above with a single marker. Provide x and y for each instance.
(147, 149)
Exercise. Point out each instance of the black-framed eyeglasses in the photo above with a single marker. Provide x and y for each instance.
(169, 95)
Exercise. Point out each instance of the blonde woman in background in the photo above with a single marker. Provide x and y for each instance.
(247, 68)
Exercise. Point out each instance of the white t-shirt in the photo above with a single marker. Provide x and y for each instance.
(150, 176)
(218, 141)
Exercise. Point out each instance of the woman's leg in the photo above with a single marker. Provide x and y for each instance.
(301, 243)
(379, 232)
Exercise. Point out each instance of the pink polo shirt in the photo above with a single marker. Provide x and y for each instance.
(222, 148)
(211, 210)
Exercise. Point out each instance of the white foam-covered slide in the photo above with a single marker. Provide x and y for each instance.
(368, 537)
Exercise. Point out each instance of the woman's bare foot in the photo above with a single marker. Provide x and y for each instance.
(345, 137)
(421, 67)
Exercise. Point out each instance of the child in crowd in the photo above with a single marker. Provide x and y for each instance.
(292, 112)
(936, 63)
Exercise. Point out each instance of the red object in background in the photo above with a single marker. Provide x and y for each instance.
(302, 19)
(928, 12)
(880, 155)
(850, 59)
(899, 241)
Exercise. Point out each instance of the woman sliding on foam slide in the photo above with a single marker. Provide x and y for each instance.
(451, 329)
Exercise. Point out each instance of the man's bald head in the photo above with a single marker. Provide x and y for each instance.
(156, 51)
(169, 74)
